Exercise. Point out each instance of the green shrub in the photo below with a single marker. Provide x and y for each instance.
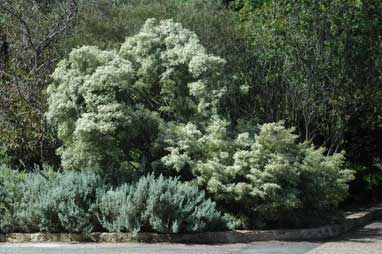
(271, 177)
(367, 187)
(29, 211)
(48, 201)
(109, 208)
(56, 202)
(72, 199)
(108, 105)
(10, 195)
(4, 158)
(157, 204)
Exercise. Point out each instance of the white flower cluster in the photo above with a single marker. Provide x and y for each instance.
(171, 60)
(107, 104)
(269, 173)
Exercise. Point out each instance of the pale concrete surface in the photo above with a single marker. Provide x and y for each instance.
(111, 248)
(366, 240)
(271, 247)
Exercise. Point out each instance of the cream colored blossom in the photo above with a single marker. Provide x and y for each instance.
(107, 105)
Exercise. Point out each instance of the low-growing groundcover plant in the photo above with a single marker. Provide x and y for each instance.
(49, 201)
(70, 201)
(158, 204)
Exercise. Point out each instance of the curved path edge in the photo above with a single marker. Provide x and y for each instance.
(351, 221)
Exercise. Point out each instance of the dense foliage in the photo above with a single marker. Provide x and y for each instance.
(108, 105)
(50, 201)
(266, 107)
(158, 204)
(30, 32)
(320, 70)
(10, 195)
(269, 176)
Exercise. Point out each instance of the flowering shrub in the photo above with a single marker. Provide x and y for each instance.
(108, 105)
(269, 175)
(154, 105)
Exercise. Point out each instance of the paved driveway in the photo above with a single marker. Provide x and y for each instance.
(135, 248)
(367, 240)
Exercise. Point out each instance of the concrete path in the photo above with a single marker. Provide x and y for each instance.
(367, 240)
(136, 248)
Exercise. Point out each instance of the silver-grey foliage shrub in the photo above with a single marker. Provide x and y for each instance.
(54, 202)
(49, 201)
(35, 212)
(74, 199)
(10, 194)
(160, 204)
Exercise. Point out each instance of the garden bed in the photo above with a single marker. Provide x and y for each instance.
(353, 220)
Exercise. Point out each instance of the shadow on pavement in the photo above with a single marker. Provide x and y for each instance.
(370, 233)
